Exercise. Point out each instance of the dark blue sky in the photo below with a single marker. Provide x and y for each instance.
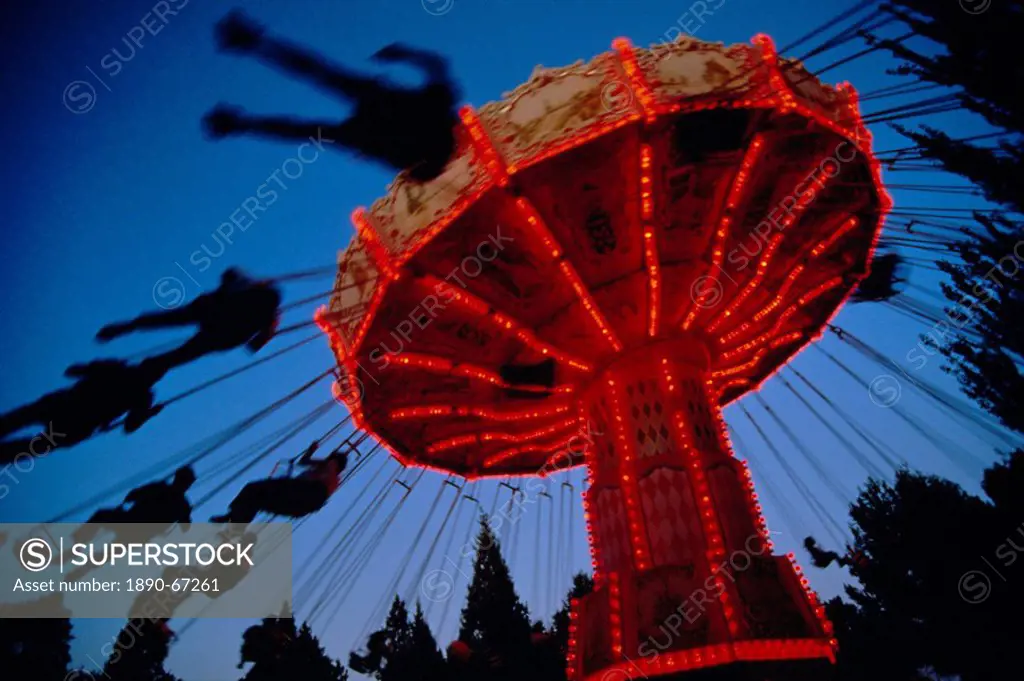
(103, 205)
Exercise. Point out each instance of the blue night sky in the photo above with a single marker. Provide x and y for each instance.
(104, 205)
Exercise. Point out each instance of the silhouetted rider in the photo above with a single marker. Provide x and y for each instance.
(106, 390)
(293, 497)
(410, 129)
(241, 311)
(160, 503)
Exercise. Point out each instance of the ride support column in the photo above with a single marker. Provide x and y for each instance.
(684, 575)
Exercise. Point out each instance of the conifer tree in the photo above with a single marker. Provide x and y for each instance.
(494, 617)
(384, 648)
(281, 651)
(426, 662)
(928, 602)
(582, 584)
(35, 649)
(495, 623)
(139, 652)
(975, 44)
(403, 650)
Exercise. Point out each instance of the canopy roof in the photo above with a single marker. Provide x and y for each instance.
(686, 189)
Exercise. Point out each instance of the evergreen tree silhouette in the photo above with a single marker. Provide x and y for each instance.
(139, 652)
(35, 649)
(1003, 483)
(495, 623)
(385, 648)
(404, 650)
(985, 338)
(287, 653)
(425, 661)
(928, 596)
(582, 584)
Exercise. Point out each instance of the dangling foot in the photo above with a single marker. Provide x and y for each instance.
(390, 53)
(223, 121)
(238, 33)
(111, 331)
(11, 450)
(134, 420)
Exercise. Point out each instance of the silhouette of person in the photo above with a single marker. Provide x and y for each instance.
(241, 311)
(262, 642)
(160, 503)
(880, 284)
(410, 129)
(293, 497)
(146, 512)
(822, 558)
(105, 390)
(378, 646)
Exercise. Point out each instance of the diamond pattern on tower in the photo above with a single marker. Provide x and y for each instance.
(699, 421)
(671, 516)
(604, 446)
(613, 529)
(648, 420)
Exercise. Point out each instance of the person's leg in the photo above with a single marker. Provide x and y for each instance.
(253, 498)
(238, 33)
(11, 451)
(308, 65)
(300, 498)
(183, 316)
(224, 121)
(136, 418)
(22, 417)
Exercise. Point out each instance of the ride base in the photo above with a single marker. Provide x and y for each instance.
(685, 579)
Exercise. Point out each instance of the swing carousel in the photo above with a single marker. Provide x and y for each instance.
(619, 249)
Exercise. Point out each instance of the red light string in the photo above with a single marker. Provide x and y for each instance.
(504, 322)
(702, 495)
(739, 182)
(650, 245)
(445, 366)
(427, 411)
(476, 439)
(538, 227)
(638, 85)
(641, 555)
